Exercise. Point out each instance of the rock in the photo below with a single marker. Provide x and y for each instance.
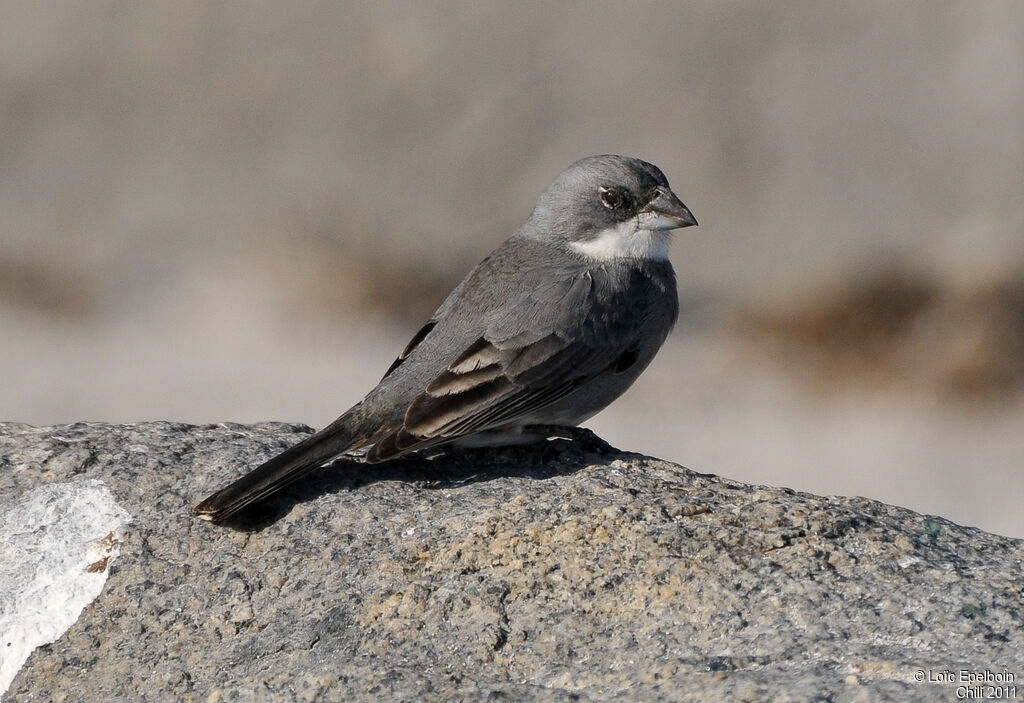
(58, 540)
(569, 571)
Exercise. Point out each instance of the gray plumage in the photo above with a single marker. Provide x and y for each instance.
(547, 330)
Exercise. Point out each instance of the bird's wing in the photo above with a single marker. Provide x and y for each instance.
(413, 343)
(537, 348)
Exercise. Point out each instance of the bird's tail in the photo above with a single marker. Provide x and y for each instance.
(280, 471)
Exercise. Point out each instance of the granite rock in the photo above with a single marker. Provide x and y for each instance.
(560, 572)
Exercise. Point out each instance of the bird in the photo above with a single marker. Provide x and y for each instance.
(548, 329)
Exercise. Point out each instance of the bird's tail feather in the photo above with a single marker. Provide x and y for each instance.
(280, 471)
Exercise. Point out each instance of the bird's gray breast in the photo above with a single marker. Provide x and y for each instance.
(632, 310)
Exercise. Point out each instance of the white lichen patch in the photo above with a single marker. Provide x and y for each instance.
(56, 545)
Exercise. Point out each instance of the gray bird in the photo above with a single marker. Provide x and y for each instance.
(548, 330)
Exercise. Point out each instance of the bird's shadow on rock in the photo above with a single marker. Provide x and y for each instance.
(566, 451)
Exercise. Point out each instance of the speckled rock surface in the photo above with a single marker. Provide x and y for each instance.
(565, 572)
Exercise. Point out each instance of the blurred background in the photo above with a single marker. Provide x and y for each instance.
(242, 211)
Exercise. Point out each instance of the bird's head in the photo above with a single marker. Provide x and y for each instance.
(610, 207)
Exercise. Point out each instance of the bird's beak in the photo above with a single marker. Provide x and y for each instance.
(666, 211)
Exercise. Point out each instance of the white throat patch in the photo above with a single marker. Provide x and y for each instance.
(626, 241)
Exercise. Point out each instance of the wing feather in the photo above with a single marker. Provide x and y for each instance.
(413, 343)
(522, 381)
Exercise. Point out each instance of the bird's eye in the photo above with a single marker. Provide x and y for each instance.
(612, 198)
